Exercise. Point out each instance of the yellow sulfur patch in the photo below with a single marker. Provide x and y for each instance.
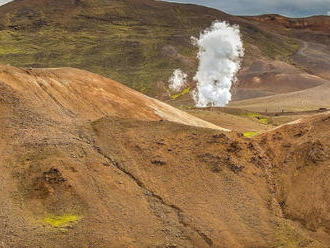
(264, 121)
(185, 91)
(61, 220)
(249, 134)
(253, 115)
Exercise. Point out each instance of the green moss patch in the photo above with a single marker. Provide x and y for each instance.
(61, 220)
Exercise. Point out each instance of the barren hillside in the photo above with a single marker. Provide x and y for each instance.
(69, 94)
(95, 169)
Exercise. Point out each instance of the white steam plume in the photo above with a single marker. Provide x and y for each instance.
(220, 53)
(178, 80)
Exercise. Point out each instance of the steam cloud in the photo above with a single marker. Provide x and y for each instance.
(220, 52)
(178, 80)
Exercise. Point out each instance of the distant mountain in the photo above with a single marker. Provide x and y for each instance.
(141, 42)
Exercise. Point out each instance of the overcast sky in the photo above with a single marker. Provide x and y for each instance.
(292, 8)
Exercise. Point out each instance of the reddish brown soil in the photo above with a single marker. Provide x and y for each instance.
(240, 123)
(264, 78)
(68, 93)
(300, 157)
(314, 23)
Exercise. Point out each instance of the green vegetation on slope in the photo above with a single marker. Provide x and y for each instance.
(137, 43)
(271, 45)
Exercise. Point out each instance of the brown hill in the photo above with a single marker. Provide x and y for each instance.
(313, 23)
(265, 77)
(308, 99)
(68, 93)
(300, 156)
(75, 173)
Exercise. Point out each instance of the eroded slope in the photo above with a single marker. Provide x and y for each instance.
(300, 155)
(70, 94)
(75, 173)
